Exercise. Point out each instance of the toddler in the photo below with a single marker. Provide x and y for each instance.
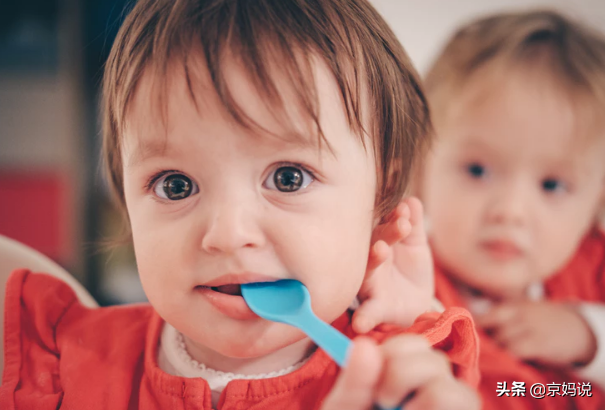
(513, 189)
(248, 141)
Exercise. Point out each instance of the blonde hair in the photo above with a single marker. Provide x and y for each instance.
(570, 51)
(348, 35)
(574, 54)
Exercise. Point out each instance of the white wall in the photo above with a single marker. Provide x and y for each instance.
(423, 26)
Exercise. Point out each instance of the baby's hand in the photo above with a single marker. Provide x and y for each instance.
(404, 368)
(550, 333)
(398, 285)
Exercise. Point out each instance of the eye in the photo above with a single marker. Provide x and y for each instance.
(288, 179)
(174, 187)
(476, 170)
(552, 185)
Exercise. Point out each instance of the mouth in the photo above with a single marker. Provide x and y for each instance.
(230, 284)
(227, 299)
(230, 289)
(502, 249)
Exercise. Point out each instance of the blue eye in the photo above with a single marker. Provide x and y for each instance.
(476, 170)
(552, 185)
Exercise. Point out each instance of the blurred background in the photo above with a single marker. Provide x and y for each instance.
(52, 193)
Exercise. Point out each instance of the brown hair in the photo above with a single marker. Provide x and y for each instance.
(352, 39)
(572, 52)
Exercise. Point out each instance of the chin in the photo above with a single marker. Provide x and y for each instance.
(504, 289)
(245, 348)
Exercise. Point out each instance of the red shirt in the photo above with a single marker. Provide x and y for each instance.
(583, 279)
(60, 354)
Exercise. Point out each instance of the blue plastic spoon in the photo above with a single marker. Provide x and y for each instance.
(288, 301)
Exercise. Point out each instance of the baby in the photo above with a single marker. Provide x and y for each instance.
(513, 189)
(248, 141)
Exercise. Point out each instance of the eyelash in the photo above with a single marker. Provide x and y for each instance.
(155, 177)
(475, 170)
(294, 165)
(561, 185)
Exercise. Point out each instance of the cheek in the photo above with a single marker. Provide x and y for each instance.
(556, 250)
(137, 215)
(451, 208)
(559, 236)
(330, 257)
(151, 260)
(439, 190)
(162, 256)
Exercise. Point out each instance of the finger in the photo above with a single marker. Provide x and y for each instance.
(497, 316)
(402, 378)
(510, 332)
(444, 393)
(409, 364)
(379, 253)
(354, 388)
(401, 210)
(417, 233)
(370, 314)
(525, 347)
(396, 226)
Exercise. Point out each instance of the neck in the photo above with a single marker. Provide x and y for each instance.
(532, 291)
(275, 361)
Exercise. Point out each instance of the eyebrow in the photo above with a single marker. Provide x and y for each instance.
(148, 150)
(471, 143)
(145, 151)
(290, 138)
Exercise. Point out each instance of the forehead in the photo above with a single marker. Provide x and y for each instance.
(162, 102)
(521, 116)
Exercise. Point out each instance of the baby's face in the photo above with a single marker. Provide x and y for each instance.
(212, 206)
(510, 188)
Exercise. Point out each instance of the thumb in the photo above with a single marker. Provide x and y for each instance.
(354, 388)
(369, 315)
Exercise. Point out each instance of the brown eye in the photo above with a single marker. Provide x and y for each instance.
(288, 179)
(175, 187)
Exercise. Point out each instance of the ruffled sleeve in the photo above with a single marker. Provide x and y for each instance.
(452, 332)
(34, 306)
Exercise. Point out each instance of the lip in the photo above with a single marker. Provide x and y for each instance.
(502, 250)
(233, 306)
(239, 279)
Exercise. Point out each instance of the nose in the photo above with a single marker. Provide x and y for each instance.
(232, 225)
(509, 204)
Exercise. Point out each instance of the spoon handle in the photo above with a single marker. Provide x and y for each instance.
(334, 343)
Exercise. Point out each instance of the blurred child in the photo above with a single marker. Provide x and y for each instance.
(513, 189)
(248, 141)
